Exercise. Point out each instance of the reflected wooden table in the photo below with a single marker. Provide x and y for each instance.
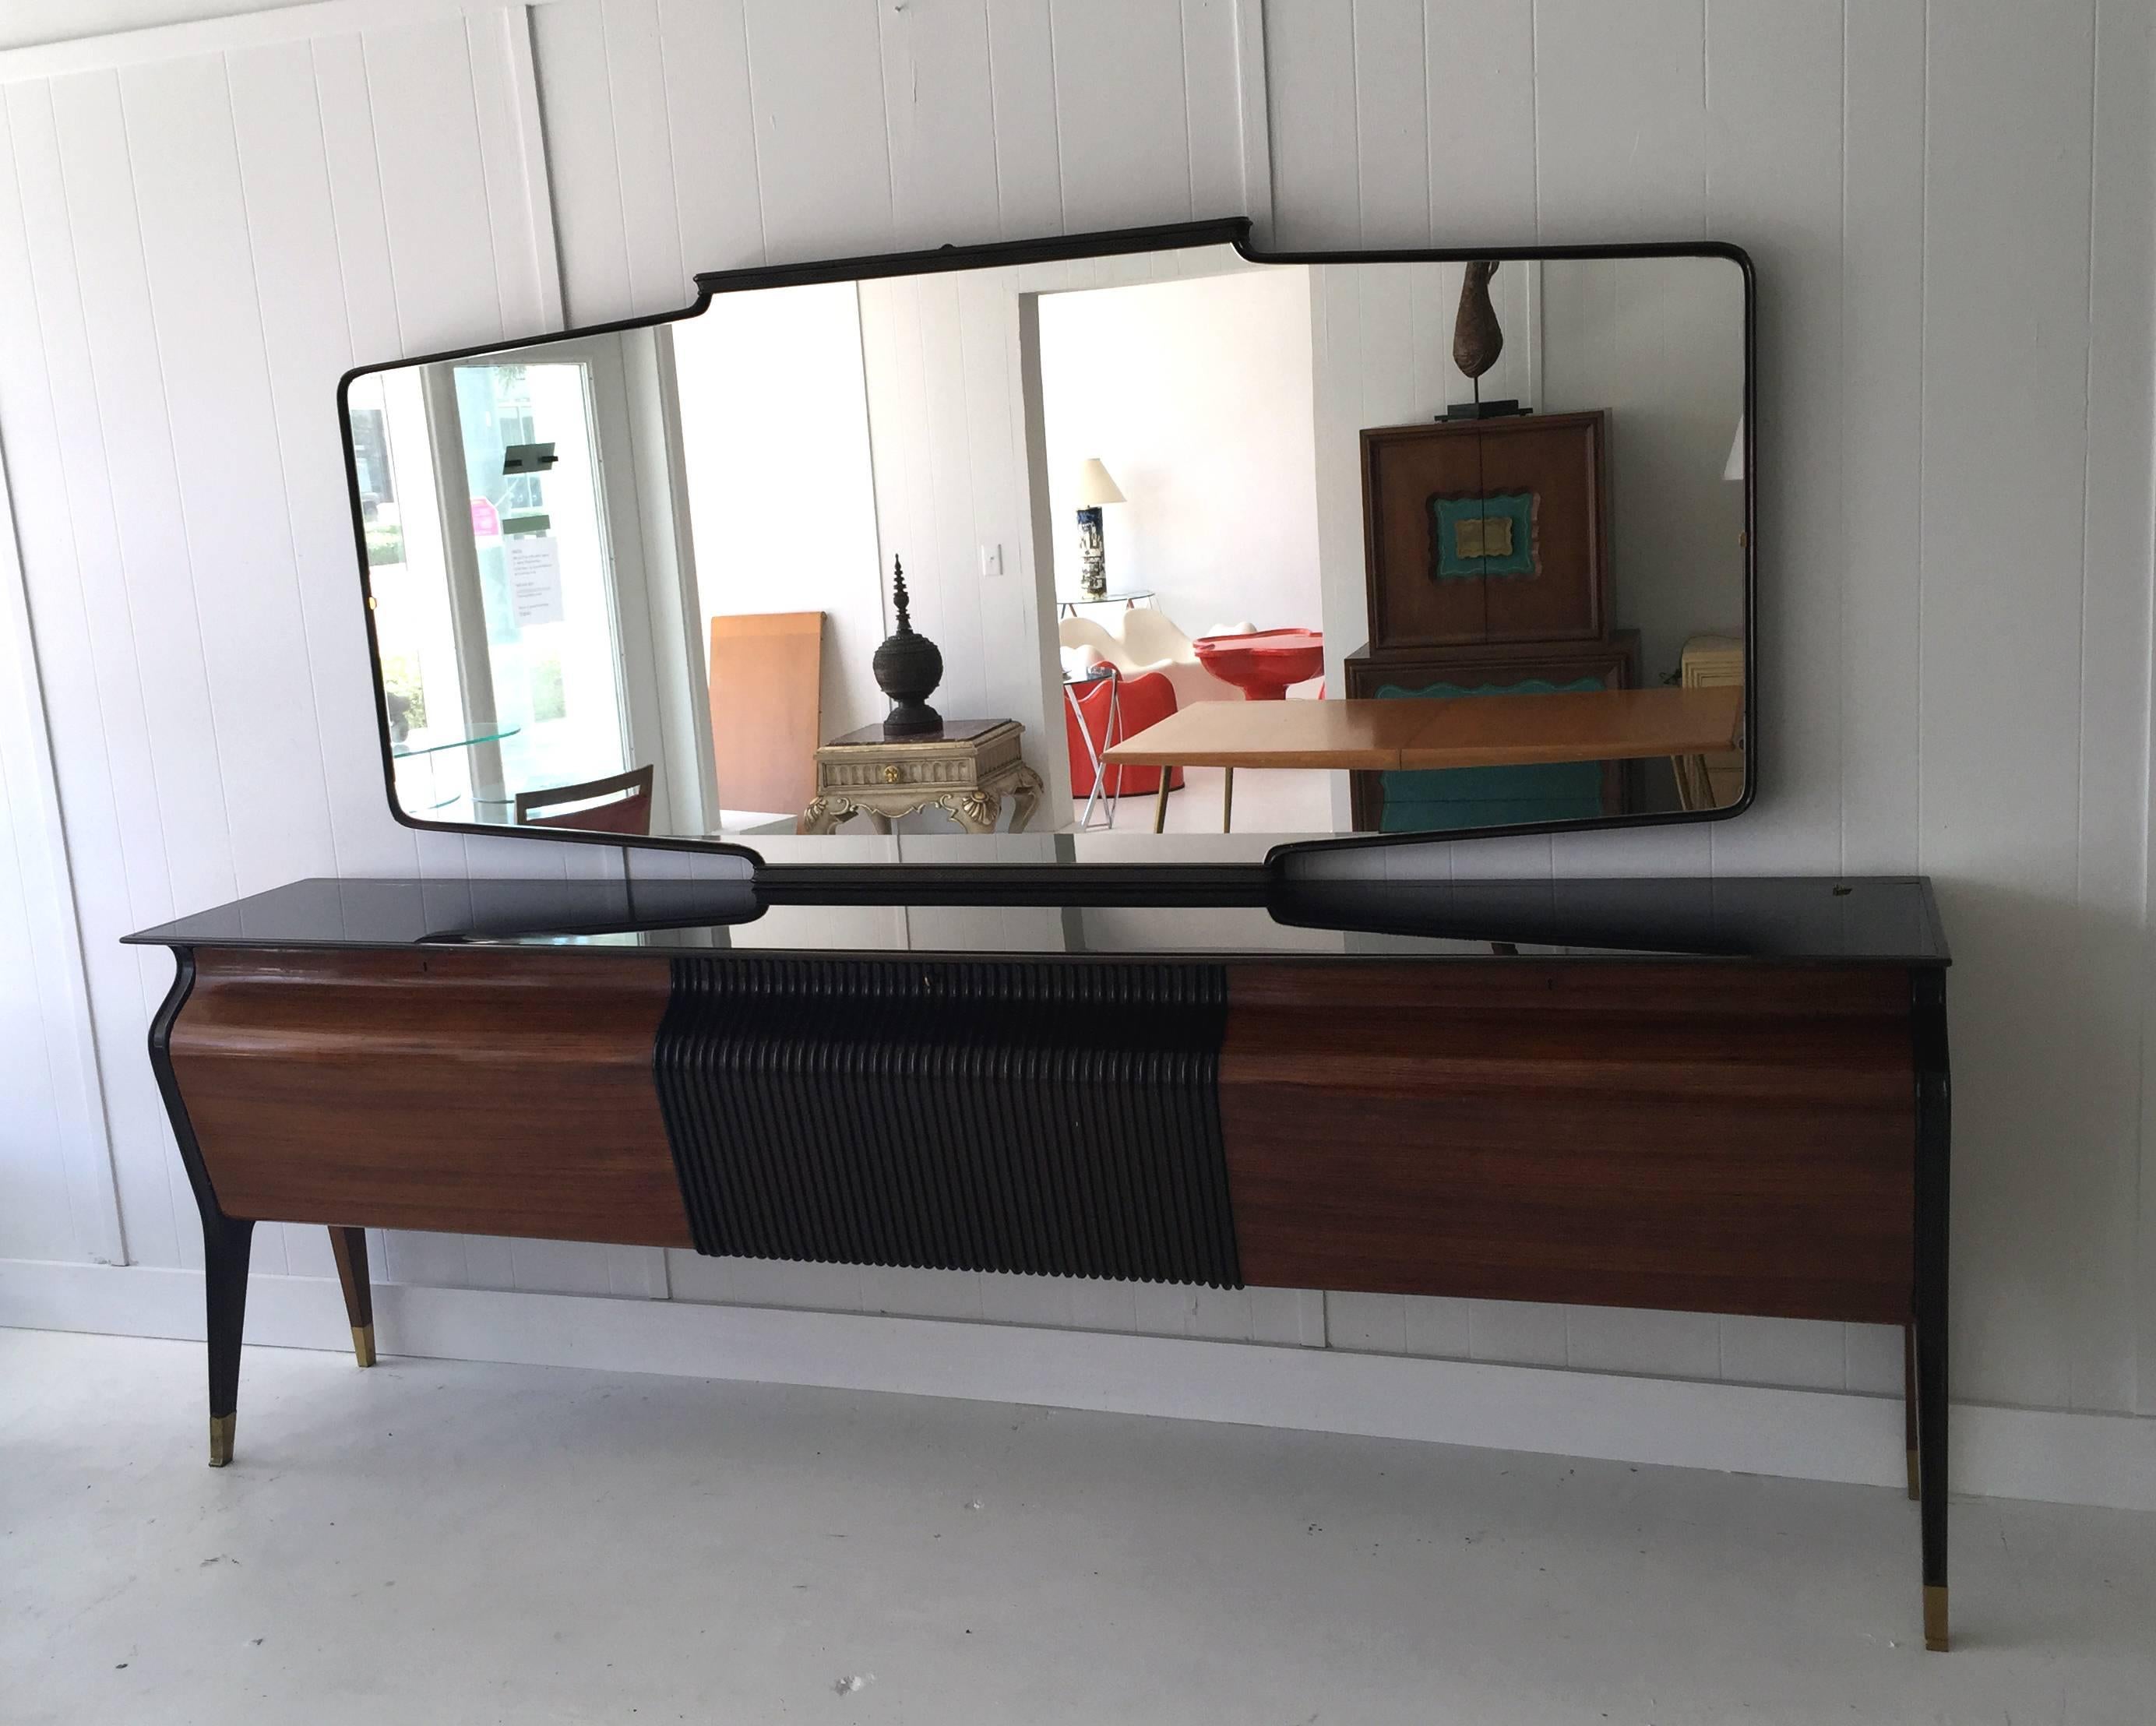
(1435, 732)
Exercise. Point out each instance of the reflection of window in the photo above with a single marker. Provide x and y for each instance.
(412, 627)
(377, 486)
(519, 492)
(544, 573)
(548, 699)
(370, 451)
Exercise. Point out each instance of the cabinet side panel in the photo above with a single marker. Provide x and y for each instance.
(1717, 1138)
(491, 1092)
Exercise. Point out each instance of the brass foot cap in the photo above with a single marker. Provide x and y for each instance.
(362, 1343)
(1913, 1475)
(220, 1439)
(1935, 1618)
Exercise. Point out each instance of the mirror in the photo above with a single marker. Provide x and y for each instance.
(1046, 553)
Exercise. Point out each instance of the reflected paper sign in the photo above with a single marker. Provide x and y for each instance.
(535, 578)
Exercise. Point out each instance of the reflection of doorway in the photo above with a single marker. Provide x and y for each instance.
(1196, 395)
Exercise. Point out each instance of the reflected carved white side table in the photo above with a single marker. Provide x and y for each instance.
(966, 770)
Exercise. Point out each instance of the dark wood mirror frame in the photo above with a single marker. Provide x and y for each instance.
(1152, 883)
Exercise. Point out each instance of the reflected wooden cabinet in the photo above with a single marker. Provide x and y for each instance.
(1460, 798)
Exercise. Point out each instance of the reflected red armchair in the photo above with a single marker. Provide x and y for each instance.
(1145, 700)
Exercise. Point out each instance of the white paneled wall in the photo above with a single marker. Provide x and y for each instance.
(200, 230)
(693, 135)
(1951, 208)
(1954, 547)
(57, 1199)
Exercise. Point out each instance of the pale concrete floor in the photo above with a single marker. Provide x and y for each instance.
(443, 1541)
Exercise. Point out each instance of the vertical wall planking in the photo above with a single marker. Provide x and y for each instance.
(941, 134)
(1881, 435)
(306, 336)
(711, 129)
(1391, 136)
(2003, 704)
(1479, 93)
(225, 461)
(1213, 112)
(1621, 120)
(2116, 665)
(651, 229)
(1022, 95)
(583, 162)
(513, 157)
(822, 142)
(2002, 708)
(54, 1151)
(92, 310)
(1309, 94)
(203, 241)
(36, 1222)
(80, 538)
(449, 292)
(1123, 115)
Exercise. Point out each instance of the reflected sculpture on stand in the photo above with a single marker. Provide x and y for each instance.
(908, 667)
(1478, 343)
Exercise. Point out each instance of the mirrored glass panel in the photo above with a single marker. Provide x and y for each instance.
(1037, 561)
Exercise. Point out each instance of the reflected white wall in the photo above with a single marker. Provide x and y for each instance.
(1659, 344)
(1196, 395)
(781, 501)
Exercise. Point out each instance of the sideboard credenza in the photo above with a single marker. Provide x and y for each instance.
(1717, 1096)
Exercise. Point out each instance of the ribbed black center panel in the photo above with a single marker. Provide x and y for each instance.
(1004, 1115)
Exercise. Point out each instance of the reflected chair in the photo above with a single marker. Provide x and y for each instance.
(629, 812)
(1145, 641)
(1138, 702)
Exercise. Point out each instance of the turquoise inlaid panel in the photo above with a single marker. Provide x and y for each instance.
(1513, 516)
(1453, 798)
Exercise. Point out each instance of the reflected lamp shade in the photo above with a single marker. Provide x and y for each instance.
(1096, 486)
(1733, 469)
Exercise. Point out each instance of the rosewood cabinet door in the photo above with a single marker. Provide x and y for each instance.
(457, 1089)
(1717, 1139)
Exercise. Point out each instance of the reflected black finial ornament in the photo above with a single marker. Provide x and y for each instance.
(908, 667)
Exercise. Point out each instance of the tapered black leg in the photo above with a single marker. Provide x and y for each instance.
(350, 1246)
(1933, 1141)
(226, 1246)
(227, 1240)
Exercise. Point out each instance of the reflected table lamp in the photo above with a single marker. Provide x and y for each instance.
(1095, 487)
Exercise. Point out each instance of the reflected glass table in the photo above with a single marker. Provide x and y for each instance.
(1125, 597)
(427, 749)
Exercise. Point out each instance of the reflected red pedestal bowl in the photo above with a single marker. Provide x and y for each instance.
(1263, 665)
